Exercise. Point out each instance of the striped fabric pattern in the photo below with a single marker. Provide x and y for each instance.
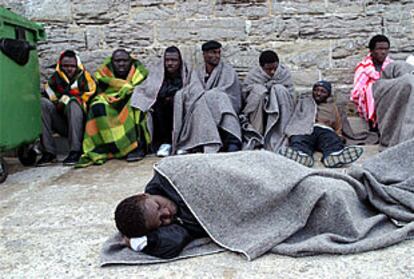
(361, 95)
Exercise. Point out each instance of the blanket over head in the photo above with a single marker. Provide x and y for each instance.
(254, 202)
(269, 103)
(113, 128)
(145, 95)
(202, 107)
(79, 89)
(394, 101)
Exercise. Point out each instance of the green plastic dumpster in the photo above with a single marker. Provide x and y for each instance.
(20, 118)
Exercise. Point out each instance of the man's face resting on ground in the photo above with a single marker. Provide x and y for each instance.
(158, 211)
(140, 214)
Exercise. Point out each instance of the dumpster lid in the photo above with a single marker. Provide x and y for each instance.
(17, 20)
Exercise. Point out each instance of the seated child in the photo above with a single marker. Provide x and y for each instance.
(324, 135)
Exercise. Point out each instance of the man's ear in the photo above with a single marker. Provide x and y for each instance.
(142, 195)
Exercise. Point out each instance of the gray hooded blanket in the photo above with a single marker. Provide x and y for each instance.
(394, 103)
(145, 95)
(202, 107)
(267, 100)
(255, 202)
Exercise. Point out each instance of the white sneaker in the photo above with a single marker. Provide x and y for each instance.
(182, 152)
(164, 150)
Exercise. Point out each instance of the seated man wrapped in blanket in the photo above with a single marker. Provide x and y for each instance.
(113, 128)
(64, 105)
(206, 111)
(383, 93)
(316, 125)
(268, 97)
(156, 95)
(255, 202)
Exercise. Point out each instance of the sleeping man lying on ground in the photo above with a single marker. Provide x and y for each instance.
(255, 202)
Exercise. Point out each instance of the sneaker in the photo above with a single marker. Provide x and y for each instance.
(46, 159)
(164, 150)
(135, 155)
(297, 156)
(72, 158)
(182, 152)
(343, 157)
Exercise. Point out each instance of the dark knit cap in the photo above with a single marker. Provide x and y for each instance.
(324, 84)
(210, 45)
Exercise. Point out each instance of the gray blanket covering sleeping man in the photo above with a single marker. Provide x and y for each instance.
(257, 202)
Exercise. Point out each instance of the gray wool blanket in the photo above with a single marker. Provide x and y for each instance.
(203, 107)
(256, 202)
(303, 120)
(267, 100)
(145, 95)
(394, 103)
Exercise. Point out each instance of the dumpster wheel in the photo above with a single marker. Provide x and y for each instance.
(27, 155)
(4, 172)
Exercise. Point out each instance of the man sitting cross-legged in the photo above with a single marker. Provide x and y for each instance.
(318, 126)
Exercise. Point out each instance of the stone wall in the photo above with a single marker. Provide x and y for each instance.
(316, 38)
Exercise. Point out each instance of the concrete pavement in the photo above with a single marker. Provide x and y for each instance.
(53, 221)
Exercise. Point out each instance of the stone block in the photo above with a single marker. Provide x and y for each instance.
(338, 26)
(201, 30)
(344, 76)
(95, 37)
(129, 34)
(152, 13)
(99, 11)
(18, 7)
(274, 28)
(194, 8)
(144, 3)
(298, 7)
(49, 10)
(249, 9)
(345, 6)
(305, 78)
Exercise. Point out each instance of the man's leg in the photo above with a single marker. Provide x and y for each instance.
(51, 121)
(163, 125)
(335, 153)
(300, 149)
(230, 142)
(75, 119)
